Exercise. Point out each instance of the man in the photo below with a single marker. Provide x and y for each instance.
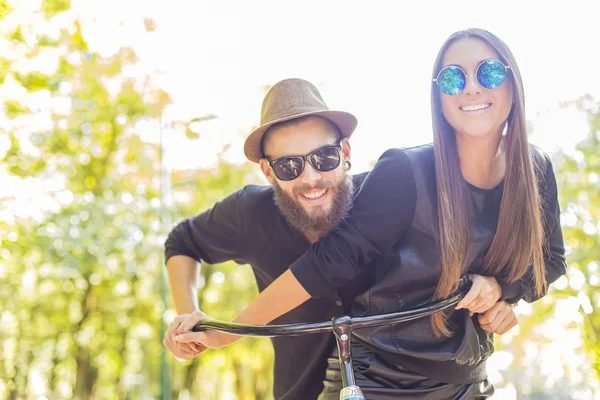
(303, 150)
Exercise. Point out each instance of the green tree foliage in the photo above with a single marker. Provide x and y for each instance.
(567, 316)
(579, 181)
(80, 267)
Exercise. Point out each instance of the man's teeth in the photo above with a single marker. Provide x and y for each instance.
(315, 195)
(475, 107)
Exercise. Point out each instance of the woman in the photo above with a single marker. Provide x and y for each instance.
(476, 202)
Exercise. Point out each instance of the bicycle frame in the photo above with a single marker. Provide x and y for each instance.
(342, 327)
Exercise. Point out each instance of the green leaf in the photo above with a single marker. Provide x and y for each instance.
(17, 35)
(34, 81)
(45, 41)
(14, 109)
(52, 7)
(5, 9)
(77, 39)
(4, 69)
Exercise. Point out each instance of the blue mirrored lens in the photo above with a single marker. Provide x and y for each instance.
(491, 74)
(451, 80)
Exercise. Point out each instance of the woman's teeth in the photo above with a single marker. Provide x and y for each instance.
(475, 107)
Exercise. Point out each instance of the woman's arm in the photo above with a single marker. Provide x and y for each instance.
(383, 208)
(282, 296)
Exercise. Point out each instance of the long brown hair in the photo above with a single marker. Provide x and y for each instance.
(519, 237)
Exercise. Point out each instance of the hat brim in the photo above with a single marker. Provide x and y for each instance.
(344, 120)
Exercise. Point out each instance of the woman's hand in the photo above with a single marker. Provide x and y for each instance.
(206, 339)
(499, 319)
(484, 293)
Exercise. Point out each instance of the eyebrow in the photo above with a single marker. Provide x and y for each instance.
(312, 151)
(478, 62)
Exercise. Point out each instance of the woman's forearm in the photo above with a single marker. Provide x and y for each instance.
(280, 297)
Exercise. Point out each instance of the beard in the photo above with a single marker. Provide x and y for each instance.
(321, 220)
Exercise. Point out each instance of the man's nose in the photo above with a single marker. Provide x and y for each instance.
(310, 174)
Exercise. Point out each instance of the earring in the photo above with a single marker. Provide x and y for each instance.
(347, 165)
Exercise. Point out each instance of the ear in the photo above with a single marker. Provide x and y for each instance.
(346, 148)
(266, 170)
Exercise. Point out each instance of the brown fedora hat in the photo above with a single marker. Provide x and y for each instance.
(289, 99)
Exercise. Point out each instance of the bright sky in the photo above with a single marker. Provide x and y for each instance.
(373, 59)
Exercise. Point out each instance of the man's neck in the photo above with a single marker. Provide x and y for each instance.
(314, 236)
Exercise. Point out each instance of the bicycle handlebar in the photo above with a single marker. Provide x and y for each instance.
(317, 327)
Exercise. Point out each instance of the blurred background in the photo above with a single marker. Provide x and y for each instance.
(120, 118)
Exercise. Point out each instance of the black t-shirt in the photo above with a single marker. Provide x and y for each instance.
(248, 228)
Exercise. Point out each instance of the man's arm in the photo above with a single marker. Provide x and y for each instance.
(214, 236)
(184, 283)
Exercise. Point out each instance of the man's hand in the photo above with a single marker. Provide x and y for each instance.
(499, 319)
(183, 350)
(206, 339)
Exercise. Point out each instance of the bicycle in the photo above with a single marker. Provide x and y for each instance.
(342, 328)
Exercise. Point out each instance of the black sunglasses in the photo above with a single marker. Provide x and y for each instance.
(323, 159)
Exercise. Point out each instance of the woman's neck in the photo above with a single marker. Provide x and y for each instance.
(482, 161)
